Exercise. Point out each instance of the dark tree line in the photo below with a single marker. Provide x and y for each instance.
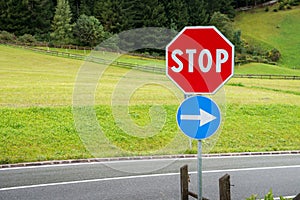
(26, 16)
(35, 16)
(89, 22)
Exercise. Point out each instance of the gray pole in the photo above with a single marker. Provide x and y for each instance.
(199, 158)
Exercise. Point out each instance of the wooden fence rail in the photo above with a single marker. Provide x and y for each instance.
(268, 76)
(146, 68)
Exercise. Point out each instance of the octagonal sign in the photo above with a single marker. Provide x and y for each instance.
(200, 60)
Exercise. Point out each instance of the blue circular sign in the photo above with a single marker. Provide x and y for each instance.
(198, 117)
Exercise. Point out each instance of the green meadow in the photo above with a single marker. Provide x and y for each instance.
(260, 68)
(135, 111)
(271, 29)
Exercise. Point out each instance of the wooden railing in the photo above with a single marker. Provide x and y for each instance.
(146, 68)
(268, 76)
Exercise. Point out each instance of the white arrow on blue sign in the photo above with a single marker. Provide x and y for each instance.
(198, 117)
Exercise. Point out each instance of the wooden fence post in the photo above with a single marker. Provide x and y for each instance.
(224, 187)
(184, 182)
(184, 185)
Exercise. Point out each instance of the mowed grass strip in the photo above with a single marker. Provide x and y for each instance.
(257, 91)
(31, 79)
(35, 134)
(36, 124)
(260, 128)
(260, 68)
(38, 134)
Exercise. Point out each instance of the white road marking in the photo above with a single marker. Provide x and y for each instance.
(250, 169)
(145, 160)
(86, 181)
(143, 176)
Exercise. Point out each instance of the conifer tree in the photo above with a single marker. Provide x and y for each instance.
(144, 13)
(111, 14)
(14, 18)
(26, 16)
(197, 11)
(224, 24)
(177, 14)
(41, 14)
(88, 30)
(61, 24)
(222, 6)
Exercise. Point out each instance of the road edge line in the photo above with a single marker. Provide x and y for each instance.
(93, 160)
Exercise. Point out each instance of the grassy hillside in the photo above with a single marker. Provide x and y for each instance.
(260, 68)
(274, 30)
(37, 121)
(31, 79)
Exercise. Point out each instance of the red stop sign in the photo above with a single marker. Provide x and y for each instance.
(200, 60)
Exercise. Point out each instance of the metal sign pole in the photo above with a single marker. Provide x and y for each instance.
(193, 116)
(199, 158)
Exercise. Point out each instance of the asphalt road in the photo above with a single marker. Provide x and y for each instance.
(152, 179)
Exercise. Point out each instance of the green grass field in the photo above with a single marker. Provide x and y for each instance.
(260, 68)
(37, 119)
(273, 30)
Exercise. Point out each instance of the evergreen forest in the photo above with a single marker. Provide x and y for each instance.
(42, 18)
(89, 22)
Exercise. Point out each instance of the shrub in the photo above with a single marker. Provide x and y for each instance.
(146, 53)
(155, 54)
(275, 10)
(27, 38)
(88, 30)
(42, 36)
(237, 40)
(267, 9)
(281, 6)
(7, 37)
(274, 55)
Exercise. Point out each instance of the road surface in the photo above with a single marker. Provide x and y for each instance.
(152, 179)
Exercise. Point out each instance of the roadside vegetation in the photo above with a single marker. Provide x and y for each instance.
(36, 90)
(37, 120)
(87, 24)
(268, 196)
(275, 28)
